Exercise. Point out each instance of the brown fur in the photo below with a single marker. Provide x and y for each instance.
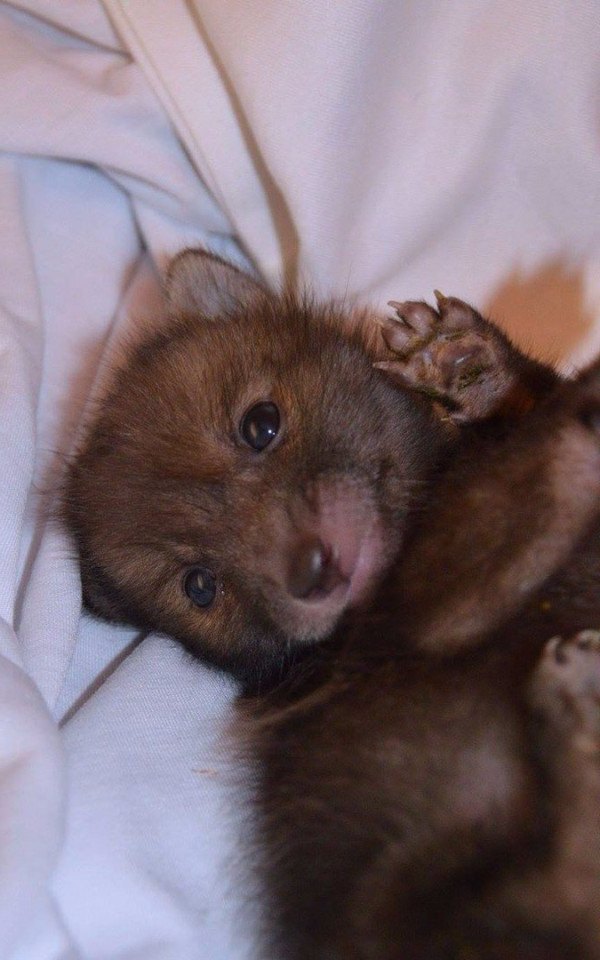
(402, 776)
(406, 803)
(163, 480)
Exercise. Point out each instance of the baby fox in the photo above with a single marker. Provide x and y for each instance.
(378, 536)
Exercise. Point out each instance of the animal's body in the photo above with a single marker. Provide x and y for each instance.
(383, 580)
(430, 787)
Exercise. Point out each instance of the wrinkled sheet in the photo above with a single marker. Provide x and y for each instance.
(371, 150)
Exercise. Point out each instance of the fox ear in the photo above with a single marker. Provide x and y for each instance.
(198, 282)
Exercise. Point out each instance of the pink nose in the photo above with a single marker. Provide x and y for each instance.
(313, 571)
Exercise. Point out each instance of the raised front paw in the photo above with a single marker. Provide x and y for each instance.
(566, 688)
(450, 354)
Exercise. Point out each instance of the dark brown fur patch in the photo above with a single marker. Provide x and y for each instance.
(405, 807)
(408, 808)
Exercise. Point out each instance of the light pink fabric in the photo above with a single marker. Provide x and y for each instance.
(377, 150)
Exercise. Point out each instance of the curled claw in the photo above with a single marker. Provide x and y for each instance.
(396, 335)
(396, 305)
(456, 315)
(417, 315)
(398, 308)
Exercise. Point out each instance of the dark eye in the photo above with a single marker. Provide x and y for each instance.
(260, 425)
(200, 586)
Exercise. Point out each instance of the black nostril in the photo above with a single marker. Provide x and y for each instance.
(313, 571)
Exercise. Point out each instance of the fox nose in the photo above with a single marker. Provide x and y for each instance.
(313, 571)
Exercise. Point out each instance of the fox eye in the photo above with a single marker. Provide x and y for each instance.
(260, 425)
(200, 585)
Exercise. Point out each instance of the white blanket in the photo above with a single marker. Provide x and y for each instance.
(370, 149)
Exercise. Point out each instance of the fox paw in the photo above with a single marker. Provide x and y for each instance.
(451, 354)
(566, 688)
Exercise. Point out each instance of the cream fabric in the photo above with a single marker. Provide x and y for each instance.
(370, 149)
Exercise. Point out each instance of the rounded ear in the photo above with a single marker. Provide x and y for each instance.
(199, 282)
